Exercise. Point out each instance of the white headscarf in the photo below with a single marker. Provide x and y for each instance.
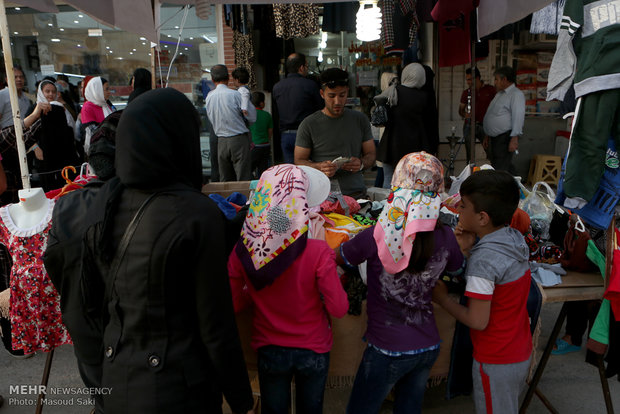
(413, 76)
(42, 99)
(94, 93)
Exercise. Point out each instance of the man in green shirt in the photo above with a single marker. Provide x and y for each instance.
(262, 131)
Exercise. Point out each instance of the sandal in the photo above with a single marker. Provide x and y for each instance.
(564, 348)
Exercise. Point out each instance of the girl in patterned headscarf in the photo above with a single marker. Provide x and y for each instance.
(292, 281)
(406, 252)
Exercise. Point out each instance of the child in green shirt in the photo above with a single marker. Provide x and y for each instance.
(262, 131)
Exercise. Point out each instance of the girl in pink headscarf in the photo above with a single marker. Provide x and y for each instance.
(291, 281)
(406, 252)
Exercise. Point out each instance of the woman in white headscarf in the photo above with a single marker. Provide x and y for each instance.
(55, 147)
(96, 108)
(407, 129)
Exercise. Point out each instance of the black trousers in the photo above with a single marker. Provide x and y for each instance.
(500, 157)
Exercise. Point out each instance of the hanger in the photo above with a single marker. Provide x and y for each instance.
(65, 173)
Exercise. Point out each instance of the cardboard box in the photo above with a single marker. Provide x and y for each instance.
(226, 189)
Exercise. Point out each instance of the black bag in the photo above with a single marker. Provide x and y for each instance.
(379, 114)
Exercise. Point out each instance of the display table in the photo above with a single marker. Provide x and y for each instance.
(574, 287)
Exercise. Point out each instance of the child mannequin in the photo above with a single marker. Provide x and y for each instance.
(31, 209)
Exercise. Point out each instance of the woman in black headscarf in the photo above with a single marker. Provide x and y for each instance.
(140, 82)
(170, 342)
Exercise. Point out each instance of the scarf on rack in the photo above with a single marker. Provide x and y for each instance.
(94, 93)
(275, 230)
(412, 206)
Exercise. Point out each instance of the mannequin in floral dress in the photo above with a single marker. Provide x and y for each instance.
(34, 303)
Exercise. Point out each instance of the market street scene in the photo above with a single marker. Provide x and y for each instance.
(375, 206)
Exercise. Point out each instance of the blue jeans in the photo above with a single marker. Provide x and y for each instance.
(278, 365)
(379, 373)
(288, 146)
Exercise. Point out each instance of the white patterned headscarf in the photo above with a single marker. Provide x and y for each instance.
(412, 206)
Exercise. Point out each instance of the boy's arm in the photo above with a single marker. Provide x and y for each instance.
(270, 133)
(475, 314)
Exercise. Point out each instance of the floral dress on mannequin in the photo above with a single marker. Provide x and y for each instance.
(35, 304)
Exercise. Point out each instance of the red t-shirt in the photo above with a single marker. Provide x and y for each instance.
(294, 310)
(484, 96)
(507, 338)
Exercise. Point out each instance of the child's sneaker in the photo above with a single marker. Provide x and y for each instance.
(564, 347)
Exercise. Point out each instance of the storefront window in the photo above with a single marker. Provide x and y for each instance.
(72, 43)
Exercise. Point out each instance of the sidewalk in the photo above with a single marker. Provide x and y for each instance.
(569, 383)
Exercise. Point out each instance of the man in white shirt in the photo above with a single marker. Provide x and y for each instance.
(6, 113)
(503, 122)
(229, 124)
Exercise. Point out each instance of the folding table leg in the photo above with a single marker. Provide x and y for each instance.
(543, 360)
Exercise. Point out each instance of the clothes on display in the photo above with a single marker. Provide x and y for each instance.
(34, 304)
(400, 24)
(296, 20)
(547, 20)
(339, 17)
(244, 55)
(454, 31)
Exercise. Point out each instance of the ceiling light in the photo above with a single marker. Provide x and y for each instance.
(61, 29)
(320, 57)
(131, 53)
(119, 58)
(55, 40)
(95, 32)
(80, 15)
(144, 43)
(133, 50)
(18, 8)
(16, 33)
(176, 27)
(368, 21)
(107, 47)
(191, 38)
(149, 54)
(50, 25)
(186, 49)
(165, 45)
(76, 21)
(111, 51)
(142, 38)
(79, 45)
(169, 35)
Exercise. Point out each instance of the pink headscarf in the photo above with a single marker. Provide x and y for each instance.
(275, 230)
(412, 206)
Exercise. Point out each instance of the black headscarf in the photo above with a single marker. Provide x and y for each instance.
(141, 83)
(158, 142)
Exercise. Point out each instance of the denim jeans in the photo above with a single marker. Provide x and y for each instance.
(379, 373)
(276, 368)
(288, 146)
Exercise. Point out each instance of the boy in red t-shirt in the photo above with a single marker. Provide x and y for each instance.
(498, 282)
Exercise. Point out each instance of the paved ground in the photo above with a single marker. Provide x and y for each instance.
(569, 383)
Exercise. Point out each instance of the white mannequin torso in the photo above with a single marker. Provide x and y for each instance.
(31, 209)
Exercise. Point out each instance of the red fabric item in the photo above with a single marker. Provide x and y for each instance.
(507, 338)
(520, 221)
(575, 246)
(84, 83)
(293, 310)
(335, 207)
(454, 35)
(613, 289)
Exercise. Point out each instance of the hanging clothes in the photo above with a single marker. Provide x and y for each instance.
(296, 20)
(244, 55)
(35, 303)
(400, 24)
(340, 17)
(547, 20)
(454, 31)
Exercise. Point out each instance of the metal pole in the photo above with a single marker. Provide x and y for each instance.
(10, 77)
(472, 119)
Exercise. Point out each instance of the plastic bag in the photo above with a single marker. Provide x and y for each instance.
(540, 207)
(457, 181)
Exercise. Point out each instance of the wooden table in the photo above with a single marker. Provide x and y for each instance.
(574, 287)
